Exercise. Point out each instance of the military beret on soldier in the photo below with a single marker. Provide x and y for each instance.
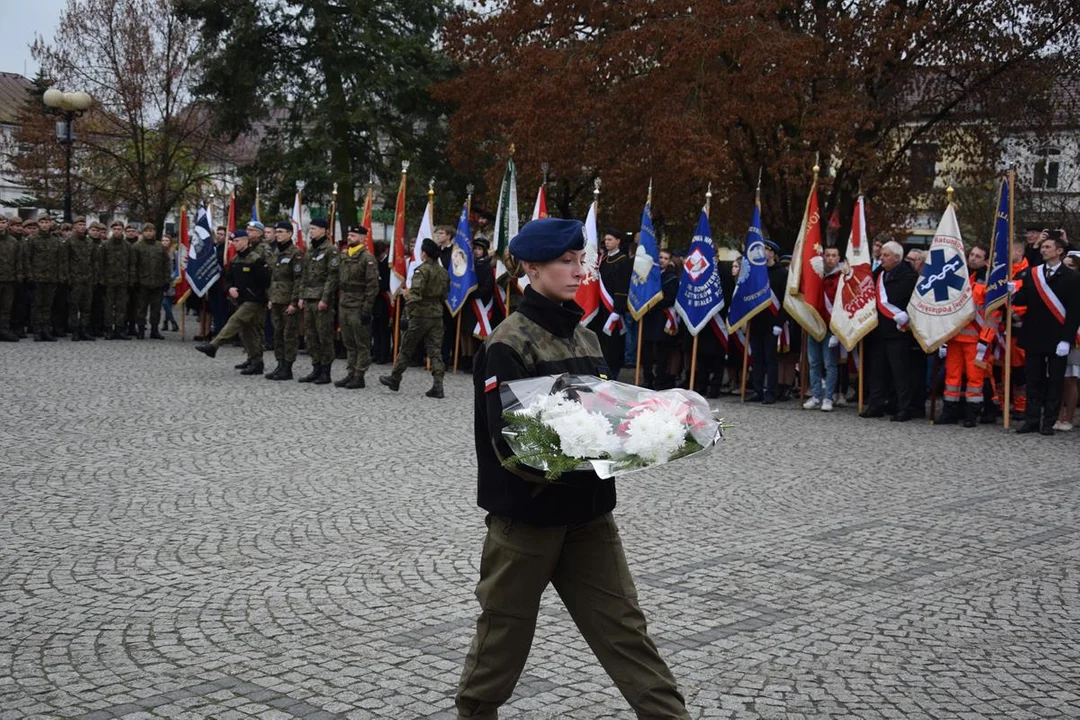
(481, 242)
(320, 223)
(256, 225)
(81, 219)
(430, 247)
(772, 244)
(545, 239)
(237, 234)
(97, 225)
(283, 225)
(147, 226)
(358, 229)
(15, 220)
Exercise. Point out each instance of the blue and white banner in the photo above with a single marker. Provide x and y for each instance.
(752, 292)
(646, 288)
(203, 268)
(997, 280)
(462, 270)
(700, 294)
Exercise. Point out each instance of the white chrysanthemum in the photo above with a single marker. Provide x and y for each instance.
(654, 436)
(554, 405)
(583, 434)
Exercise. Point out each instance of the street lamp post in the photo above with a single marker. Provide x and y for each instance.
(69, 106)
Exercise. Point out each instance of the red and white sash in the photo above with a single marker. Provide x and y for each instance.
(887, 308)
(774, 303)
(719, 328)
(482, 311)
(614, 323)
(1049, 297)
(671, 321)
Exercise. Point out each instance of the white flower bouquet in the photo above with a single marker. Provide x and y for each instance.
(560, 423)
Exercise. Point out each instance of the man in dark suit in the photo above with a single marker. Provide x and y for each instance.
(765, 330)
(1051, 294)
(382, 313)
(891, 339)
(616, 268)
(659, 329)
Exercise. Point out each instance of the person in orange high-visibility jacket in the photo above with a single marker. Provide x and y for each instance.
(968, 355)
(1018, 384)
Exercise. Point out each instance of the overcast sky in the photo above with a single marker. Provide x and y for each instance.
(22, 20)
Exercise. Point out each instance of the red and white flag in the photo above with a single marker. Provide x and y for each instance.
(804, 298)
(427, 230)
(398, 266)
(540, 209)
(588, 293)
(230, 228)
(854, 307)
(297, 220)
(366, 222)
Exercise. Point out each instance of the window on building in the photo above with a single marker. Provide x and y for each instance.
(924, 160)
(1047, 169)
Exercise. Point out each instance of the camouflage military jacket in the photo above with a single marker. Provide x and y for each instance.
(430, 285)
(47, 263)
(319, 278)
(11, 259)
(152, 267)
(358, 279)
(81, 260)
(286, 266)
(117, 262)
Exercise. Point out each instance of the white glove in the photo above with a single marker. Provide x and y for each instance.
(776, 330)
(943, 351)
(1012, 287)
(901, 318)
(833, 341)
(1062, 349)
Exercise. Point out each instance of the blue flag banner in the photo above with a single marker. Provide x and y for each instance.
(752, 293)
(203, 268)
(255, 210)
(700, 293)
(646, 289)
(462, 270)
(997, 282)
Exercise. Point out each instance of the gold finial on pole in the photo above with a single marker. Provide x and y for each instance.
(817, 163)
(649, 200)
(596, 190)
(757, 192)
(468, 201)
(512, 148)
(371, 180)
(404, 166)
(545, 167)
(949, 193)
(431, 189)
(708, 198)
(335, 190)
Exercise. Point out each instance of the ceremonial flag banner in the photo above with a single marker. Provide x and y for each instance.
(255, 210)
(297, 220)
(398, 269)
(365, 221)
(425, 232)
(462, 270)
(701, 295)
(752, 293)
(942, 303)
(803, 298)
(179, 279)
(230, 228)
(203, 268)
(645, 286)
(854, 308)
(997, 284)
(540, 209)
(588, 293)
(507, 221)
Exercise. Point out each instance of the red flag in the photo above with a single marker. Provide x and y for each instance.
(297, 223)
(804, 297)
(398, 268)
(230, 228)
(540, 209)
(366, 222)
(180, 281)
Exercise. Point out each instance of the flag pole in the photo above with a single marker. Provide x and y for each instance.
(1007, 371)
(745, 363)
(508, 273)
(641, 320)
(398, 299)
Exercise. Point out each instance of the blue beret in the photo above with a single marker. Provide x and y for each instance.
(283, 225)
(545, 239)
(319, 222)
(239, 234)
(772, 244)
(256, 225)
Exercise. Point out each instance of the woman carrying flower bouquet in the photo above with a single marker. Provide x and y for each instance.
(542, 532)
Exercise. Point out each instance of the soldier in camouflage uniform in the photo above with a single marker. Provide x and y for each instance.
(131, 236)
(97, 292)
(154, 275)
(11, 273)
(424, 303)
(248, 279)
(24, 290)
(117, 265)
(47, 268)
(318, 290)
(286, 267)
(262, 243)
(358, 279)
(82, 274)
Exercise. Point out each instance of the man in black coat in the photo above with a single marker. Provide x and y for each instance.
(1051, 294)
(382, 312)
(765, 330)
(659, 329)
(891, 340)
(615, 270)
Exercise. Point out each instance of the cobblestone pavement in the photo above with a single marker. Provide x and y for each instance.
(178, 541)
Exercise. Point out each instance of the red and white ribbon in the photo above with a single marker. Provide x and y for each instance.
(887, 308)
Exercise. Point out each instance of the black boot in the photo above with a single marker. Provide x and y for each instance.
(44, 337)
(75, 336)
(255, 368)
(989, 414)
(345, 380)
(316, 371)
(286, 371)
(120, 334)
(207, 349)
(87, 336)
(357, 382)
(155, 335)
(324, 375)
(243, 366)
(971, 414)
(391, 381)
(8, 336)
(175, 326)
(436, 390)
(141, 333)
(273, 374)
(950, 414)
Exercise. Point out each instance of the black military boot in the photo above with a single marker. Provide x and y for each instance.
(989, 414)
(207, 349)
(244, 365)
(273, 374)
(324, 374)
(141, 333)
(44, 337)
(76, 336)
(155, 334)
(950, 414)
(391, 381)
(356, 383)
(8, 336)
(286, 371)
(971, 414)
(316, 371)
(120, 334)
(255, 368)
(345, 380)
(87, 336)
(436, 390)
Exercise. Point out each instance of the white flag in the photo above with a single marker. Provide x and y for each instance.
(854, 307)
(942, 303)
(425, 231)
